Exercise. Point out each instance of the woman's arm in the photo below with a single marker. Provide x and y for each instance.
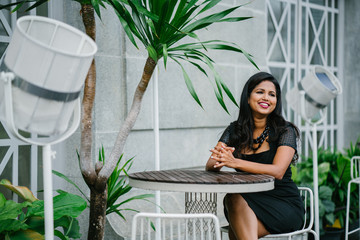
(284, 154)
(212, 162)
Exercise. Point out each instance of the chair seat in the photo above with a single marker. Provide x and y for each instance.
(225, 229)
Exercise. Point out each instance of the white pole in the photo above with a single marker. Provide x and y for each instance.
(157, 143)
(48, 196)
(156, 130)
(315, 178)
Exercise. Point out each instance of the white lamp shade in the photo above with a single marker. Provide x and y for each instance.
(318, 88)
(50, 60)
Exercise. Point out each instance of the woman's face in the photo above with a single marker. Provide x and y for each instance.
(263, 99)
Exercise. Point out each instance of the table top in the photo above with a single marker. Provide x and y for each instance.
(201, 181)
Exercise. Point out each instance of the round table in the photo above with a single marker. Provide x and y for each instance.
(201, 187)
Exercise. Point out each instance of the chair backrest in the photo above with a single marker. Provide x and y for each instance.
(355, 167)
(199, 226)
(308, 198)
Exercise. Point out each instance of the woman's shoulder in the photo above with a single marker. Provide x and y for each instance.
(284, 131)
(288, 135)
(225, 138)
(289, 126)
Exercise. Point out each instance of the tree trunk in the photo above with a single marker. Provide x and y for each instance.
(86, 165)
(98, 197)
(97, 214)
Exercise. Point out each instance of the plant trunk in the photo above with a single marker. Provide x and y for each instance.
(97, 214)
(128, 124)
(98, 197)
(86, 165)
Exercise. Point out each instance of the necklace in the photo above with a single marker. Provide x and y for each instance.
(260, 139)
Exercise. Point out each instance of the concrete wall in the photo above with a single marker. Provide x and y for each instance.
(187, 132)
(351, 72)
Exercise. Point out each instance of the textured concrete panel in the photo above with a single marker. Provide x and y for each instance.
(133, 52)
(108, 106)
(70, 162)
(140, 145)
(177, 107)
(351, 73)
(109, 33)
(250, 35)
(185, 148)
(257, 5)
(72, 14)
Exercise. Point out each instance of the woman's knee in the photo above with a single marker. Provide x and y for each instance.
(234, 201)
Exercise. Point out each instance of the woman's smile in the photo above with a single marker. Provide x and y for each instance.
(264, 105)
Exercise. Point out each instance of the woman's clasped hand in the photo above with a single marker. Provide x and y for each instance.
(223, 156)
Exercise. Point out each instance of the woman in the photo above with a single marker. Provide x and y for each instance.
(260, 141)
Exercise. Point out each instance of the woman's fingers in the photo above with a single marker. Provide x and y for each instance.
(231, 149)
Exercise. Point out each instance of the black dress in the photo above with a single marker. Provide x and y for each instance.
(281, 210)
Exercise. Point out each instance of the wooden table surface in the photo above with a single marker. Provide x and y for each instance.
(201, 181)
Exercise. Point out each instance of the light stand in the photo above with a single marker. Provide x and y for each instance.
(310, 97)
(314, 125)
(7, 78)
(46, 65)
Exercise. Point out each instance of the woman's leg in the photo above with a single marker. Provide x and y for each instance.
(243, 221)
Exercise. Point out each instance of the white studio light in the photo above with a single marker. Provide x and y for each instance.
(44, 69)
(50, 61)
(310, 98)
(314, 92)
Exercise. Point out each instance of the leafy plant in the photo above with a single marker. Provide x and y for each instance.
(117, 186)
(26, 220)
(333, 177)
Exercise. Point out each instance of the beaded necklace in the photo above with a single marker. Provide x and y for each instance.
(260, 139)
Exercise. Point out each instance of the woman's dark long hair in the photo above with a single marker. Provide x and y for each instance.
(242, 136)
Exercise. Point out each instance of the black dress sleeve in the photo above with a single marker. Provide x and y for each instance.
(288, 137)
(225, 137)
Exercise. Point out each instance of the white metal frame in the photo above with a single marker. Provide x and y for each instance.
(355, 178)
(175, 226)
(293, 54)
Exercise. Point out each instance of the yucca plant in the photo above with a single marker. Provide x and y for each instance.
(159, 25)
(118, 186)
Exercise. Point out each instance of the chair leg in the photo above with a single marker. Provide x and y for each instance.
(347, 212)
(316, 237)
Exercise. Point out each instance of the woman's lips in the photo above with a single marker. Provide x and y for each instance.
(264, 105)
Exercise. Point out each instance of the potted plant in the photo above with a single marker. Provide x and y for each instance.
(333, 177)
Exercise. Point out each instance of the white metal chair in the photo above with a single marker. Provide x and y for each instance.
(306, 194)
(355, 178)
(198, 226)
